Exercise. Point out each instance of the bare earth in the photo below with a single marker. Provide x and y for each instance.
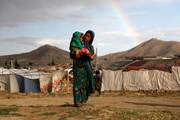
(110, 106)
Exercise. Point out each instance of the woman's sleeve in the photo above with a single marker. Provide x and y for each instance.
(91, 49)
(92, 52)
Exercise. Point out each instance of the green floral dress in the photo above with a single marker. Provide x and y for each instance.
(83, 84)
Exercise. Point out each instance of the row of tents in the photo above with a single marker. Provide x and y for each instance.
(141, 80)
(117, 80)
(25, 81)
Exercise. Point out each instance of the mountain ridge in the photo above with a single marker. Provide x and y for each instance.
(40, 56)
(153, 47)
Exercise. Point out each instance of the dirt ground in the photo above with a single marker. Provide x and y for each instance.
(108, 106)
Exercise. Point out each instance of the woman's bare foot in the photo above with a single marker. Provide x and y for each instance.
(77, 104)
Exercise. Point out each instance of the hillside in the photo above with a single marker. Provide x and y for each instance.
(40, 56)
(153, 47)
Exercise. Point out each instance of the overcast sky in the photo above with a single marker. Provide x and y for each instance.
(118, 24)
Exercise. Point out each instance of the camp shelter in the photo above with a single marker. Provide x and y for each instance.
(141, 80)
(46, 83)
(4, 82)
(31, 85)
(59, 81)
(14, 84)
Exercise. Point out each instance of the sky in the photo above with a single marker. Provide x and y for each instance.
(118, 24)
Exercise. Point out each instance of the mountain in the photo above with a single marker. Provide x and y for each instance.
(153, 47)
(40, 56)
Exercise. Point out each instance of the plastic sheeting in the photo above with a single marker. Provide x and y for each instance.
(46, 83)
(11, 83)
(176, 74)
(112, 80)
(14, 86)
(21, 84)
(59, 82)
(31, 74)
(136, 80)
(20, 81)
(163, 80)
(141, 80)
(31, 85)
(4, 83)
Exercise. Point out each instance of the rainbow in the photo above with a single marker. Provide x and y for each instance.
(127, 26)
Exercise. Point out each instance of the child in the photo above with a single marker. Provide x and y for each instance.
(76, 44)
(76, 40)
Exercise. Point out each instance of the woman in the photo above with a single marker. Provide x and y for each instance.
(83, 84)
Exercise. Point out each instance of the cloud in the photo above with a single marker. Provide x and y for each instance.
(138, 13)
(113, 40)
(124, 34)
(33, 41)
(14, 13)
(114, 36)
(17, 12)
(21, 11)
(106, 38)
(28, 41)
(160, 33)
(61, 43)
(172, 32)
(148, 1)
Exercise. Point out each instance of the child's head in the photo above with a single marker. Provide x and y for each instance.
(81, 36)
(77, 35)
(76, 40)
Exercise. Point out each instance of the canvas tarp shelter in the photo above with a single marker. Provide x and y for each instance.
(31, 85)
(18, 80)
(110, 77)
(23, 80)
(176, 74)
(4, 82)
(59, 82)
(46, 83)
(9, 83)
(15, 83)
(141, 80)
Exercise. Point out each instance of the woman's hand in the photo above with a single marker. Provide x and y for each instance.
(87, 51)
(93, 55)
(84, 51)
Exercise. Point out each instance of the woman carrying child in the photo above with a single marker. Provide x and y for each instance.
(82, 53)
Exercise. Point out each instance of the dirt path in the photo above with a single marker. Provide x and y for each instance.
(103, 107)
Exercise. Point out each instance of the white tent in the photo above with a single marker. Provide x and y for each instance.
(58, 81)
(141, 80)
(46, 83)
(14, 87)
(4, 82)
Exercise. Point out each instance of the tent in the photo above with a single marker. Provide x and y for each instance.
(141, 80)
(14, 84)
(59, 81)
(23, 80)
(31, 85)
(46, 83)
(4, 82)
